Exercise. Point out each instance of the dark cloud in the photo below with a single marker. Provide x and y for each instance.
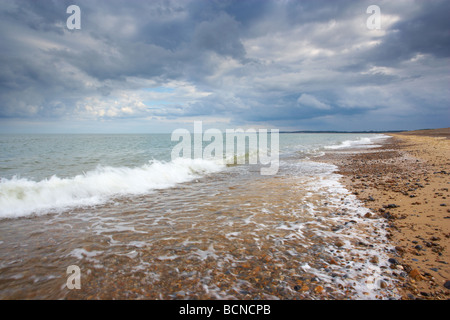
(284, 63)
(221, 36)
(426, 32)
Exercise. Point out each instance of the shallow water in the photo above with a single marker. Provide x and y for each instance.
(232, 234)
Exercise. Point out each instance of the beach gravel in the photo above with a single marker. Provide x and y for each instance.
(406, 181)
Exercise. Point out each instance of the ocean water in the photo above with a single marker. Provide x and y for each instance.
(140, 225)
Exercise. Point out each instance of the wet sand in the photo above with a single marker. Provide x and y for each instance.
(406, 181)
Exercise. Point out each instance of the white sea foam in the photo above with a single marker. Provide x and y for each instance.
(21, 197)
(362, 142)
(364, 276)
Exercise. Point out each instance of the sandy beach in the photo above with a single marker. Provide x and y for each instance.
(406, 181)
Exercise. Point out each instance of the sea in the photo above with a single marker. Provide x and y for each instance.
(134, 223)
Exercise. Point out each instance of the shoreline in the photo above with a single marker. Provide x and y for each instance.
(405, 182)
(345, 230)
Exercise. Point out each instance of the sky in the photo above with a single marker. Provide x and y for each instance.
(155, 66)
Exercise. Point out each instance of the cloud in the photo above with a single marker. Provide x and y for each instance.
(309, 101)
(292, 64)
(220, 35)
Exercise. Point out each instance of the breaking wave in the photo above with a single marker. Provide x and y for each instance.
(363, 142)
(21, 197)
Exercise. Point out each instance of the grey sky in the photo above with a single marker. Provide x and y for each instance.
(153, 66)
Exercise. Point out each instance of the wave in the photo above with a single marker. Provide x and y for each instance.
(22, 197)
(362, 142)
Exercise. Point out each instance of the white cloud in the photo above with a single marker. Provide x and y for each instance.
(272, 61)
(309, 101)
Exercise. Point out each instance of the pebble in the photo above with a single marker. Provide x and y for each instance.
(447, 284)
(392, 261)
(318, 289)
(339, 243)
(415, 274)
(399, 249)
(332, 261)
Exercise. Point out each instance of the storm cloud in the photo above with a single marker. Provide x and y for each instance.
(154, 65)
